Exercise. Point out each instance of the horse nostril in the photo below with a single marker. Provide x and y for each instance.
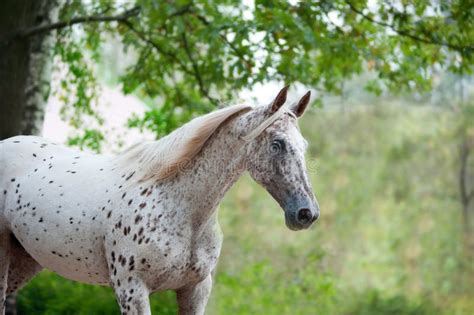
(315, 217)
(304, 215)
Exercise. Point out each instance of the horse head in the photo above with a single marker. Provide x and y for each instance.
(275, 158)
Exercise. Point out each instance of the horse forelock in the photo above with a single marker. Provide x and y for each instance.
(266, 123)
(162, 159)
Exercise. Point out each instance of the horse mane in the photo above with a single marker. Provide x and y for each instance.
(162, 159)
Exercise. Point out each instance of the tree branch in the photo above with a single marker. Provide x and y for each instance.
(156, 46)
(197, 74)
(173, 57)
(224, 38)
(408, 34)
(62, 24)
(188, 9)
(181, 11)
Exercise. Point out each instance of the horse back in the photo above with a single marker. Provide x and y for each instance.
(21, 154)
(36, 162)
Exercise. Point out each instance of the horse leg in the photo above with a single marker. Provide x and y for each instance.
(22, 267)
(193, 299)
(132, 295)
(4, 264)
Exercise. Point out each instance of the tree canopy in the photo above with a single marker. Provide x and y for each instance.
(192, 55)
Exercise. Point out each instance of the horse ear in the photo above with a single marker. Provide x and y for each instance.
(279, 100)
(299, 108)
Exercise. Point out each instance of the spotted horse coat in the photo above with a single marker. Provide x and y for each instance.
(145, 220)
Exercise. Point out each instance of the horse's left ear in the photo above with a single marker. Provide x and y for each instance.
(299, 108)
(279, 100)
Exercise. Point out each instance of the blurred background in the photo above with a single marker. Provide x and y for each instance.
(390, 128)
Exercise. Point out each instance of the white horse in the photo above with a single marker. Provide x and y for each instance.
(145, 220)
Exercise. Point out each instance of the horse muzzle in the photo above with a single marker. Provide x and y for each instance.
(301, 219)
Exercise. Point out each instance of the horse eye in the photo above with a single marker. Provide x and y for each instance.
(277, 146)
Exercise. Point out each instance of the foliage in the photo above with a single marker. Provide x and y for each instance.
(186, 57)
(48, 293)
(372, 303)
(91, 138)
(388, 240)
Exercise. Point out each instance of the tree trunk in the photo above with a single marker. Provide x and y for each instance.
(25, 66)
(466, 191)
(25, 72)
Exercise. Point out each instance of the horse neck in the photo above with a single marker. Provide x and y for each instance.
(204, 182)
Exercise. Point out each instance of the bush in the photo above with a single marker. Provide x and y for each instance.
(51, 294)
(374, 303)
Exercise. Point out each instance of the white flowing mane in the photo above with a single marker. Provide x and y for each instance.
(163, 158)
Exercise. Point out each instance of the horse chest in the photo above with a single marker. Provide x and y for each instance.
(186, 261)
(202, 262)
